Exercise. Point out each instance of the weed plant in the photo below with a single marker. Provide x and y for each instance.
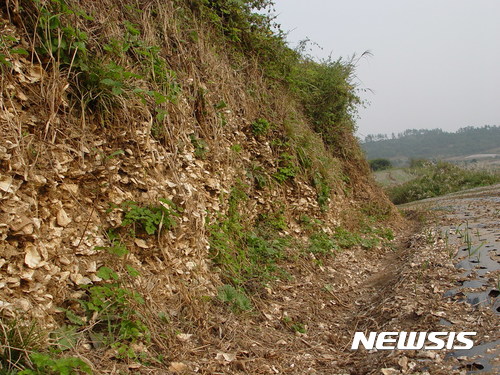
(200, 146)
(287, 170)
(295, 327)
(260, 126)
(246, 253)
(17, 340)
(44, 364)
(467, 237)
(151, 218)
(321, 243)
(108, 313)
(257, 174)
(24, 352)
(235, 298)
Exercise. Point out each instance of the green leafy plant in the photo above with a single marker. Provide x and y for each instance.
(286, 168)
(321, 243)
(110, 309)
(150, 218)
(323, 190)
(310, 223)
(258, 176)
(24, 351)
(260, 126)
(154, 65)
(272, 221)
(264, 251)
(101, 87)
(346, 239)
(98, 85)
(296, 327)
(279, 144)
(245, 254)
(236, 148)
(43, 364)
(59, 39)
(7, 49)
(327, 90)
(200, 146)
(116, 247)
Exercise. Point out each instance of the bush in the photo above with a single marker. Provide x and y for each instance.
(327, 92)
(380, 164)
(326, 89)
(439, 179)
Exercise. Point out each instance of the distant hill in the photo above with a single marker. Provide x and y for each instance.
(433, 144)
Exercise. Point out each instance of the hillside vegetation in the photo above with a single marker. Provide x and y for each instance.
(427, 179)
(162, 165)
(432, 144)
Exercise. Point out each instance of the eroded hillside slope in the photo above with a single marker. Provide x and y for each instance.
(163, 163)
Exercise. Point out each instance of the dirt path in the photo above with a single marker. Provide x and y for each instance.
(447, 279)
(428, 282)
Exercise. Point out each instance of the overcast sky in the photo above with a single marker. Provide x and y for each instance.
(435, 63)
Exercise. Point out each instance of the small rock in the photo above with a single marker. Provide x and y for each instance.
(32, 258)
(390, 371)
(92, 267)
(177, 367)
(70, 188)
(79, 279)
(6, 184)
(39, 179)
(62, 218)
(64, 260)
(28, 275)
(23, 304)
(427, 354)
(403, 362)
(227, 357)
(63, 276)
(19, 223)
(141, 243)
(184, 336)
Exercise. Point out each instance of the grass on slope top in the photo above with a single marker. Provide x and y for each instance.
(432, 180)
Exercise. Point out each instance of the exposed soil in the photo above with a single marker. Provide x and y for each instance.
(403, 288)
